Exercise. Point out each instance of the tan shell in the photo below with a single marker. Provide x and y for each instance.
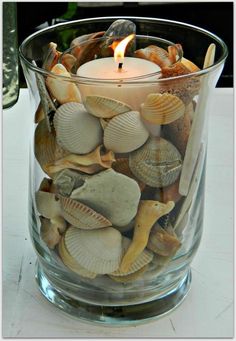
(162, 108)
(210, 56)
(112, 194)
(39, 113)
(98, 251)
(82, 216)
(143, 259)
(189, 65)
(77, 131)
(131, 277)
(162, 243)
(50, 232)
(125, 133)
(52, 57)
(63, 90)
(48, 204)
(105, 107)
(170, 193)
(71, 263)
(157, 163)
(148, 213)
(68, 60)
(155, 54)
(46, 148)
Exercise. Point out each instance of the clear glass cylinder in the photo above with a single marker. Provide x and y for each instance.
(118, 162)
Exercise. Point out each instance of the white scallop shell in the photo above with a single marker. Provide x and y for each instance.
(82, 216)
(114, 195)
(71, 263)
(76, 130)
(144, 258)
(105, 107)
(98, 251)
(125, 133)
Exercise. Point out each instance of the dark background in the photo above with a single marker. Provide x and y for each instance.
(216, 17)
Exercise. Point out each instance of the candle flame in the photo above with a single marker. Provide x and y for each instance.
(119, 48)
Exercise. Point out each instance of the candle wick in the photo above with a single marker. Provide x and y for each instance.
(120, 66)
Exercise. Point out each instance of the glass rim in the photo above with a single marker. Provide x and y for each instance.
(141, 79)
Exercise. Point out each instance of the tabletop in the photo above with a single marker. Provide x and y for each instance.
(208, 309)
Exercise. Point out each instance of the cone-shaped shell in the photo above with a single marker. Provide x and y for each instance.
(71, 263)
(112, 194)
(125, 133)
(162, 108)
(76, 130)
(143, 259)
(105, 107)
(98, 251)
(157, 163)
(63, 90)
(82, 216)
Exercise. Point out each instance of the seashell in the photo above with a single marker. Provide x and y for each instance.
(52, 57)
(76, 130)
(50, 232)
(68, 60)
(104, 122)
(71, 263)
(157, 163)
(81, 216)
(143, 259)
(112, 194)
(89, 163)
(170, 193)
(129, 278)
(162, 108)
(210, 56)
(154, 54)
(48, 204)
(61, 88)
(162, 243)
(120, 28)
(105, 107)
(149, 212)
(175, 52)
(46, 148)
(98, 251)
(67, 180)
(178, 131)
(125, 133)
(189, 65)
(39, 114)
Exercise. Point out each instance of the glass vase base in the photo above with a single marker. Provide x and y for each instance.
(114, 316)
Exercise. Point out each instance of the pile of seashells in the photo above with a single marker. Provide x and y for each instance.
(111, 203)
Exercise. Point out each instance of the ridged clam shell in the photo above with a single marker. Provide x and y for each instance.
(162, 108)
(143, 259)
(157, 163)
(46, 148)
(82, 216)
(63, 90)
(112, 194)
(71, 263)
(125, 133)
(98, 251)
(105, 107)
(76, 130)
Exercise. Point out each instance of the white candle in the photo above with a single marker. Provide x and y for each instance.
(125, 85)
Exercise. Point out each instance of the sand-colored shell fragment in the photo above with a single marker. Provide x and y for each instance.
(149, 212)
(125, 133)
(157, 163)
(155, 54)
(45, 146)
(71, 263)
(170, 193)
(105, 107)
(89, 163)
(81, 216)
(161, 242)
(77, 131)
(143, 259)
(129, 278)
(50, 232)
(68, 60)
(63, 90)
(52, 57)
(111, 194)
(98, 251)
(162, 108)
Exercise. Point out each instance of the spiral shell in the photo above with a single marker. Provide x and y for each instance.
(157, 163)
(125, 133)
(98, 251)
(76, 130)
(162, 108)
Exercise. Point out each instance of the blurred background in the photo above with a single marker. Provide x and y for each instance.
(29, 17)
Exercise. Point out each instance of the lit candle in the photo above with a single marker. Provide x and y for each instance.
(128, 79)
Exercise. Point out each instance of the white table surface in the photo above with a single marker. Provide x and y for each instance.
(208, 309)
